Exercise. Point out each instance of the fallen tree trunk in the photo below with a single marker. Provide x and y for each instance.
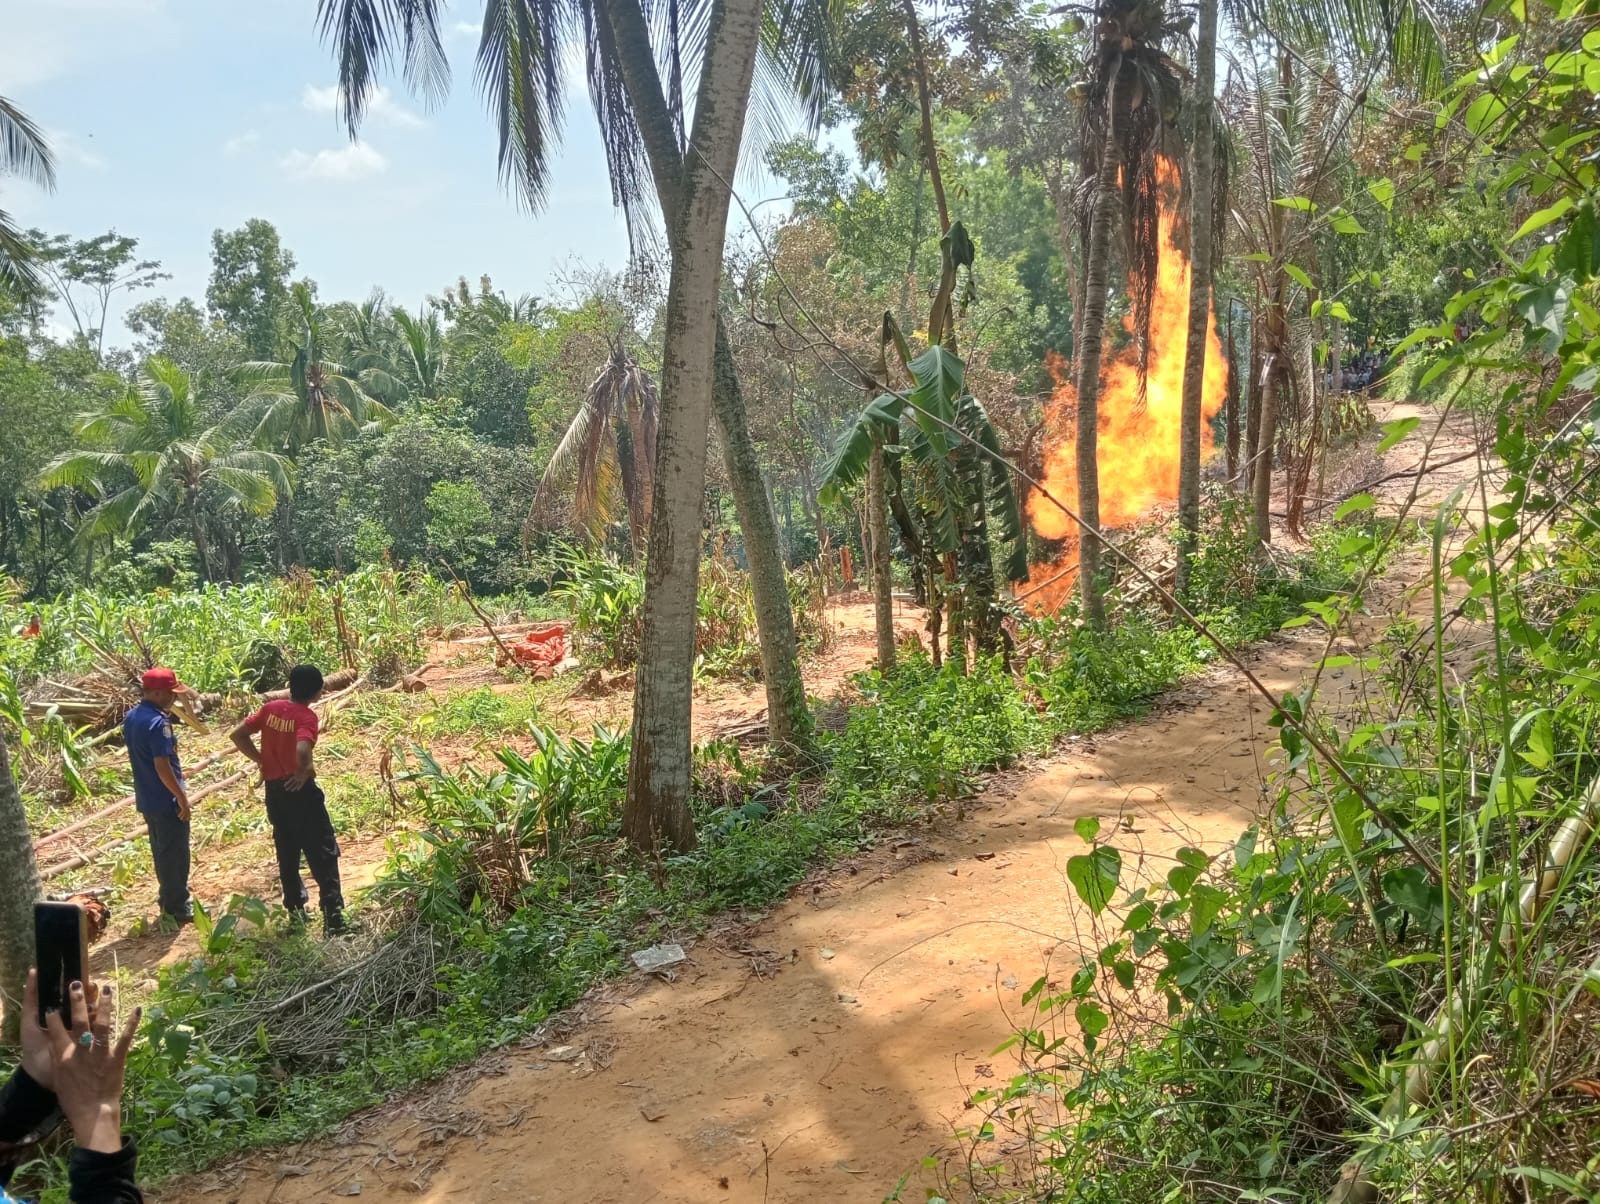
(339, 679)
(87, 820)
(78, 861)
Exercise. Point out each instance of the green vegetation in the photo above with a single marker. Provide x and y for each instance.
(1384, 989)
(514, 887)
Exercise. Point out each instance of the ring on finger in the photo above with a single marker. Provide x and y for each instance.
(86, 1040)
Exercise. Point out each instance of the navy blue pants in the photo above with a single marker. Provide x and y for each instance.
(169, 849)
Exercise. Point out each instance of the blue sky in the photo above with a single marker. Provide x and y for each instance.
(172, 118)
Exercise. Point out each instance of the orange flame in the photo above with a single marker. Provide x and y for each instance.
(1137, 452)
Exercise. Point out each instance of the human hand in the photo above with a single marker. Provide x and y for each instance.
(183, 805)
(87, 1078)
(35, 1041)
(297, 780)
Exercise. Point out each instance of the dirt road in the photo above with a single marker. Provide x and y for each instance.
(834, 1047)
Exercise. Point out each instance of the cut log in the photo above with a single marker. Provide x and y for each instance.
(339, 679)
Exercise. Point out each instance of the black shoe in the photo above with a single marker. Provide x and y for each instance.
(297, 918)
(333, 923)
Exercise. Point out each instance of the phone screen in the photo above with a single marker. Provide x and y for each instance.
(60, 933)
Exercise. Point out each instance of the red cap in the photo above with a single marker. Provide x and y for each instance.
(160, 679)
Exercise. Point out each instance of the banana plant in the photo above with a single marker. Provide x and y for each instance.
(950, 499)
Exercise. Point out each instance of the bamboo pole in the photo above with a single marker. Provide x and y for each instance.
(1353, 1186)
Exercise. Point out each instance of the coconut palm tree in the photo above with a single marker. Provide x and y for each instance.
(1202, 228)
(19, 891)
(610, 442)
(309, 395)
(1132, 96)
(150, 460)
(364, 337)
(419, 354)
(703, 48)
(23, 152)
(1293, 125)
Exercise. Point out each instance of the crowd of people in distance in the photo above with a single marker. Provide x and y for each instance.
(1356, 372)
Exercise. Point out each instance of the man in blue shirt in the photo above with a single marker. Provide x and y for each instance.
(159, 791)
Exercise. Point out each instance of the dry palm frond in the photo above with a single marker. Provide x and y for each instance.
(102, 697)
(609, 448)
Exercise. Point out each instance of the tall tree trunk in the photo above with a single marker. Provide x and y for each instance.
(1201, 168)
(1107, 206)
(930, 149)
(911, 251)
(788, 718)
(878, 531)
(1336, 357)
(660, 767)
(19, 891)
(1231, 405)
(1252, 406)
(1261, 489)
(202, 545)
(1061, 203)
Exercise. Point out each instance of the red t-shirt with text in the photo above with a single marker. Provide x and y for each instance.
(282, 723)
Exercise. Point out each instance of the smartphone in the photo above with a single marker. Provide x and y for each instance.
(61, 942)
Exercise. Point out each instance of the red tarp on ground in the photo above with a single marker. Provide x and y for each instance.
(541, 650)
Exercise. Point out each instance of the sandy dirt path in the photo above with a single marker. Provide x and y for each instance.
(821, 1054)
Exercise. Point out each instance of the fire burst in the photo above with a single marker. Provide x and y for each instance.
(1138, 450)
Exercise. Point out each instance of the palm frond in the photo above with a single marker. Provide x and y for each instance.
(679, 31)
(18, 277)
(265, 374)
(81, 470)
(519, 73)
(800, 42)
(1409, 35)
(366, 36)
(626, 161)
(274, 418)
(120, 514)
(23, 149)
(254, 490)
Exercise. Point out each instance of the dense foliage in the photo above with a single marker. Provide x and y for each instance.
(1385, 988)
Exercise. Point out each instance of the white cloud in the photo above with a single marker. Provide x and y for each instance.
(45, 41)
(466, 30)
(73, 150)
(354, 162)
(240, 143)
(381, 105)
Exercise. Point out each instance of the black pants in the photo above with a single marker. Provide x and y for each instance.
(300, 826)
(169, 849)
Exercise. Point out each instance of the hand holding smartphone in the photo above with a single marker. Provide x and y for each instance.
(61, 941)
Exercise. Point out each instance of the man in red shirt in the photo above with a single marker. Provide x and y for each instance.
(296, 806)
